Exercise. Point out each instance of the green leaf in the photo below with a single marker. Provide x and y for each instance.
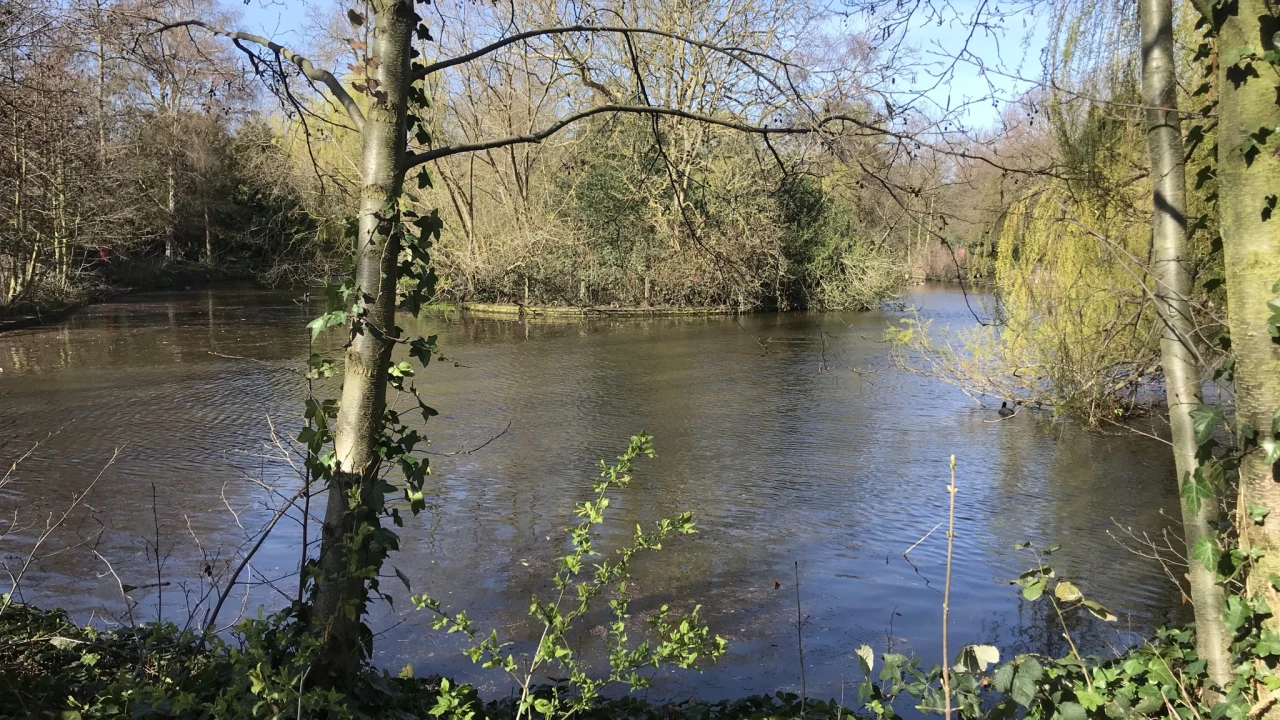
(64, 643)
(1071, 711)
(326, 321)
(1023, 689)
(1035, 589)
(1099, 611)
(1196, 489)
(1268, 644)
(1271, 447)
(1207, 552)
(1236, 613)
(1205, 418)
(1002, 679)
(977, 658)
(866, 658)
(1090, 699)
(1160, 671)
(1258, 513)
(1236, 54)
(1067, 592)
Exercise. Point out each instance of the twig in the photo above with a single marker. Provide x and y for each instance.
(231, 583)
(800, 639)
(474, 449)
(926, 537)
(50, 526)
(946, 592)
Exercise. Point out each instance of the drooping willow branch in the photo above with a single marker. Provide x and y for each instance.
(308, 69)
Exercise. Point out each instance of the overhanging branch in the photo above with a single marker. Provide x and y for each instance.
(527, 34)
(543, 134)
(309, 70)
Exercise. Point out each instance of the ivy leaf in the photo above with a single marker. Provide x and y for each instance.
(1205, 418)
(1207, 552)
(1268, 644)
(1196, 489)
(1258, 513)
(1160, 671)
(1271, 447)
(1236, 613)
(1236, 54)
(326, 321)
(356, 18)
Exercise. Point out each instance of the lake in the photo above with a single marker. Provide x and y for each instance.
(792, 437)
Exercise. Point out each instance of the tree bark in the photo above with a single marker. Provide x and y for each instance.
(341, 592)
(1173, 288)
(172, 207)
(1251, 244)
(208, 237)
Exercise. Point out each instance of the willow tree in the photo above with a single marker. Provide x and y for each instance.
(1179, 356)
(383, 104)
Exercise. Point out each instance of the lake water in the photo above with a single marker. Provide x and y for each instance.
(792, 437)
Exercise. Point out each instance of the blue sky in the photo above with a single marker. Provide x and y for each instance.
(1013, 50)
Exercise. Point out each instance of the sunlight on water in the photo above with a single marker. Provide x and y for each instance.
(791, 437)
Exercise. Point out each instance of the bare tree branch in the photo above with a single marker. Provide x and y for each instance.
(309, 70)
(540, 135)
(512, 39)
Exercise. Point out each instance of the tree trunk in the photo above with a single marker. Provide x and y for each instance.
(341, 592)
(1173, 287)
(208, 237)
(1251, 243)
(172, 207)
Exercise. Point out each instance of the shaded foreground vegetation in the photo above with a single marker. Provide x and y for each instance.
(1088, 324)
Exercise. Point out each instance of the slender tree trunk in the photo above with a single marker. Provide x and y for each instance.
(341, 593)
(208, 237)
(1173, 287)
(172, 207)
(1251, 243)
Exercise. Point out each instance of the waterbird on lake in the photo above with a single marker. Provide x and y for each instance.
(1005, 410)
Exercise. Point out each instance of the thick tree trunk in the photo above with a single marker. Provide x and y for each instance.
(1251, 243)
(341, 592)
(1173, 287)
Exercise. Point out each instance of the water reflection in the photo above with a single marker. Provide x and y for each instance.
(791, 437)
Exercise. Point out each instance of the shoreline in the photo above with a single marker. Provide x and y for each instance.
(177, 276)
(522, 310)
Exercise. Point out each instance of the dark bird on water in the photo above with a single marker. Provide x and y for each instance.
(1005, 410)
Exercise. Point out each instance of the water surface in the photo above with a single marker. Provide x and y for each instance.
(792, 437)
